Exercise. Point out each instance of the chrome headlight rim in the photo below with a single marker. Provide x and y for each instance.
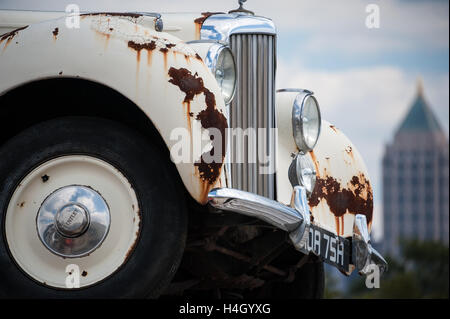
(212, 57)
(297, 120)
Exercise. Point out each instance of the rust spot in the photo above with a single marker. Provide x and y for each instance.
(164, 50)
(10, 35)
(198, 57)
(170, 45)
(84, 273)
(349, 151)
(333, 128)
(45, 178)
(355, 198)
(55, 33)
(199, 22)
(191, 114)
(21, 205)
(111, 29)
(210, 117)
(190, 84)
(140, 46)
(60, 72)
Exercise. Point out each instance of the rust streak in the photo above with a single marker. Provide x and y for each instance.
(333, 128)
(199, 22)
(316, 163)
(10, 35)
(138, 234)
(149, 46)
(210, 117)
(164, 57)
(149, 57)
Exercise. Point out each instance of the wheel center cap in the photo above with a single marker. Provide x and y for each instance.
(72, 220)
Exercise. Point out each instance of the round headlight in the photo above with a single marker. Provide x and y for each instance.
(302, 172)
(306, 121)
(220, 60)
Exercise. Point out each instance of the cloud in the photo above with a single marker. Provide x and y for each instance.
(329, 24)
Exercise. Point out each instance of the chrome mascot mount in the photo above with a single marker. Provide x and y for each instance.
(241, 8)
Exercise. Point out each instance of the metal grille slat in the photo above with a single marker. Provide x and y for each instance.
(253, 107)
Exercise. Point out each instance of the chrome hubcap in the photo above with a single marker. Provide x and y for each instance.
(73, 221)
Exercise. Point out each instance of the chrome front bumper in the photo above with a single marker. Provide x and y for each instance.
(296, 221)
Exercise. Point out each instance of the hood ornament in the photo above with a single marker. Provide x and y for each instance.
(241, 9)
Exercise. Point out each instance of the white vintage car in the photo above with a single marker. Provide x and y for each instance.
(149, 154)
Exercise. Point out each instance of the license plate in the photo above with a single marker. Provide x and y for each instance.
(330, 248)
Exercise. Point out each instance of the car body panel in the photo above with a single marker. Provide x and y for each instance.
(126, 54)
(343, 186)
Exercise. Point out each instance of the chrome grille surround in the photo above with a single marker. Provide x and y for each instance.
(253, 42)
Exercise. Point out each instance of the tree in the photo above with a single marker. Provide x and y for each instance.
(421, 272)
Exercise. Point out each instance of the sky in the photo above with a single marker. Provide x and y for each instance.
(364, 78)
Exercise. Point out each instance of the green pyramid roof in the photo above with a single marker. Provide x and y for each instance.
(420, 116)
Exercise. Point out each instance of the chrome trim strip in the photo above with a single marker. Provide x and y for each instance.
(206, 41)
(249, 204)
(295, 90)
(222, 26)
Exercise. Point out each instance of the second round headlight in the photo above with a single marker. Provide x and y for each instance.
(302, 172)
(306, 121)
(220, 59)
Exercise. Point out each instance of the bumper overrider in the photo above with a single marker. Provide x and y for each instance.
(344, 253)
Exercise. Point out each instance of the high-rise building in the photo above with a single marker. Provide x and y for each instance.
(415, 179)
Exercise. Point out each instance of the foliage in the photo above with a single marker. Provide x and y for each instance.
(420, 272)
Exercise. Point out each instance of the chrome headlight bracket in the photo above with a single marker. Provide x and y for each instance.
(302, 172)
(363, 253)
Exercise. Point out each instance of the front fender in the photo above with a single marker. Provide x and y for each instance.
(343, 186)
(161, 74)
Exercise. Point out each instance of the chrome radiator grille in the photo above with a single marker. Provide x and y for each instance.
(253, 107)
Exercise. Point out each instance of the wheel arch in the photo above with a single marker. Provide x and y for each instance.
(119, 55)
